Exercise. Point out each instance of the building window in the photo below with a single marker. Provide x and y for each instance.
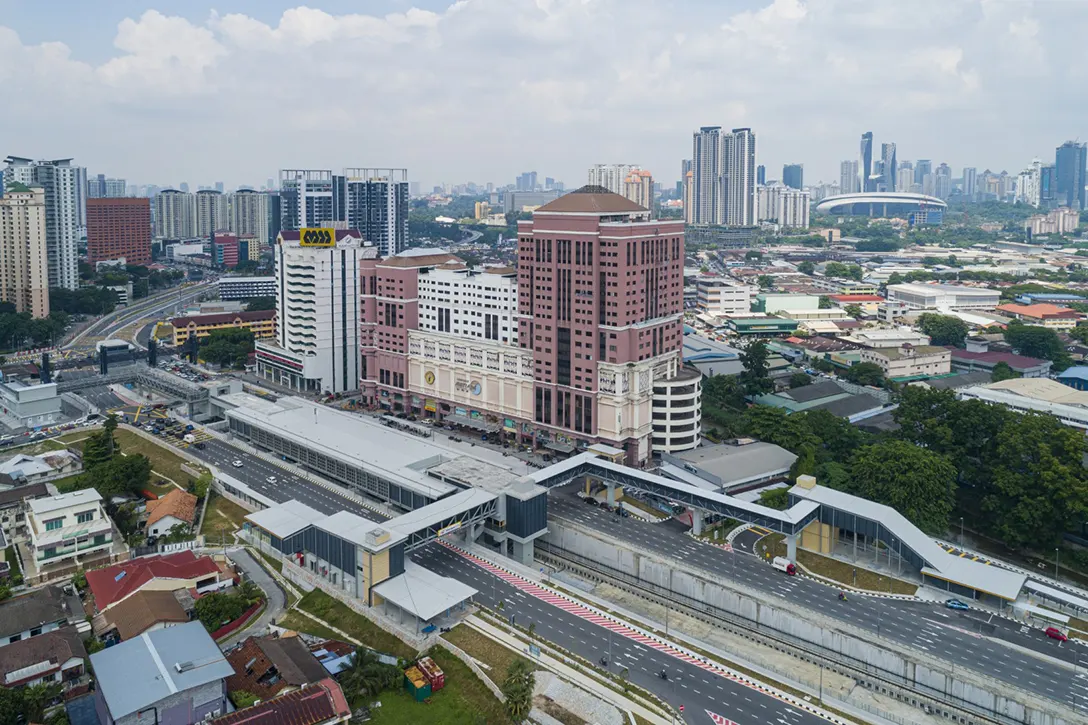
(54, 524)
(84, 516)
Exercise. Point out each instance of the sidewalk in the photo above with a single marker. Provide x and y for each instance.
(578, 677)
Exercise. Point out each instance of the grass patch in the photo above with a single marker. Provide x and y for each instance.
(465, 700)
(68, 483)
(222, 518)
(840, 571)
(276, 564)
(298, 622)
(639, 720)
(163, 460)
(497, 656)
(336, 613)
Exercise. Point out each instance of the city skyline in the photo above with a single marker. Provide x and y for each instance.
(179, 70)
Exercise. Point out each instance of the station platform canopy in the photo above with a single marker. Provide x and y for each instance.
(423, 593)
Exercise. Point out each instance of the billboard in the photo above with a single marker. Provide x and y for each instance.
(317, 237)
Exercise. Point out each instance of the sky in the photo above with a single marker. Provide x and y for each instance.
(164, 91)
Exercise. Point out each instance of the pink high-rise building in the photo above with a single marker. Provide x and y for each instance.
(601, 305)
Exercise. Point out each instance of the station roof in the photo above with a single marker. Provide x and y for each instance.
(286, 519)
(368, 534)
(738, 464)
(439, 511)
(423, 593)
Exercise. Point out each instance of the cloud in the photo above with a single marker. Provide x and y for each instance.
(482, 89)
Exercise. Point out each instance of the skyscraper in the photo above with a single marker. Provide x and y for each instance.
(102, 188)
(639, 188)
(793, 176)
(865, 162)
(119, 228)
(904, 176)
(527, 181)
(761, 174)
(849, 182)
(942, 187)
(970, 183)
(377, 205)
(610, 176)
(24, 273)
(65, 187)
(210, 213)
(174, 214)
(889, 169)
(308, 198)
(248, 216)
(921, 168)
(706, 183)
(739, 177)
(1071, 174)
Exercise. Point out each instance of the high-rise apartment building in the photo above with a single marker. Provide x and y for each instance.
(1071, 174)
(119, 228)
(970, 183)
(175, 212)
(102, 188)
(739, 177)
(310, 198)
(318, 298)
(248, 214)
(761, 174)
(793, 176)
(793, 209)
(600, 287)
(865, 162)
(889, 169)
(65, 187)
(377, 205)
(639, 188)
(942, 187)
(211, 212)
(24, 259)
(611, 176)
(527, 181)
(921, 168)
(706, 167)
(849, 182)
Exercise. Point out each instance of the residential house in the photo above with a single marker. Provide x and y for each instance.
(837, 399)
(23, 469)
(1042, 315)
(320, 704)
(69, 528)
(13, 508)
(54, 657)
(978, 356)
(183, 570)
(910, 361)
(41, 611)
(269, 666)
(177, 508)
(173, 676)
(144, 611)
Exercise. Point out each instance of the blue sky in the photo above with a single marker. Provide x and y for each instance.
(160, 91)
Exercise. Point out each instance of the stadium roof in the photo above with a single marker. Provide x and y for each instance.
(838, 201)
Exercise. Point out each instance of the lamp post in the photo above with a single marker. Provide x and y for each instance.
(961, 531)
(1057, 553)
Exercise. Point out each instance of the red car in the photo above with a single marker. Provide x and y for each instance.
(1055, 633)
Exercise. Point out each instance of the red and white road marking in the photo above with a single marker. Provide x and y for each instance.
(584, 612)
(719, 720)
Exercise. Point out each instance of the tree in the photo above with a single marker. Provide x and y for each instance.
(229, 347)
(216, 609)
(823, 365)
(1035, 341)
(895, 278)
(800, 380)
(753, 255)
(1002, 371)
(854, 311)
(775, 498)
(765, 281)
(100, 447)
(202, 485)
(774, 425)
(754, 377)
(261, 303)
(119, 476)
(11, 706)
(249, 591)
(865, 373)
(36, 698)
(518, 690)
(1039, 486)
(825, 303)
(806, 267)
(943, 329)
(916, 482)
(846, 271)
(361, 677)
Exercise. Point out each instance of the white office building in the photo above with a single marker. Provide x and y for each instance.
(317, 315)
(470, 303)
(210, 212)
(174, 215)
(943, 297)
(722, 297)
(249, 214)
(65, 188)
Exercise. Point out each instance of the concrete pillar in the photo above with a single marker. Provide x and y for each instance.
(791, 547)
(521, 553)
(611, 494)
(587, 486)
(855, 546)
(696, 522)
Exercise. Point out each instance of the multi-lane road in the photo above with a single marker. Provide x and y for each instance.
(925, 627)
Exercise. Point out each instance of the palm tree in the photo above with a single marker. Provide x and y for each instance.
(518, 690)
(249, 591)
(532, 629)
(364, 675)
(36, 698)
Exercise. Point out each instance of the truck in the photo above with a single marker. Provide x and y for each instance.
(189, 438)
(783, 564)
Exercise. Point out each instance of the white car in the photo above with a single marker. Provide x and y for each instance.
(236, 464)
(271, 479)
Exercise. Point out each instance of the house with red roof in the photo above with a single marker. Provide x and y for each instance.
(183, 570)
(1042, 315)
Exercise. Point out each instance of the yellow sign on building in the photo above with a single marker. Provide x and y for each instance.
(317, 237)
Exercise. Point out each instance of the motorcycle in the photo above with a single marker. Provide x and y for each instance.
(842, 596)
(663, 675)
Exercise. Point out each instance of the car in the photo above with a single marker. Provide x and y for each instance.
(271, 479)
(956, 604)
(1055, 633)
(201, 446)
(590, 500)
(236, 464)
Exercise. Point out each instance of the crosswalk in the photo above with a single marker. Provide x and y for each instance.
(965, 555)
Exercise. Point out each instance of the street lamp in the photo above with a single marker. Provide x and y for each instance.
(1057, 552)
(961, 531)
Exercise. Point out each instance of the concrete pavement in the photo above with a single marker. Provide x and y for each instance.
(276, 599)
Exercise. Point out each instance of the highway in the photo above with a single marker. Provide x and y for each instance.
(926, 627)
(689, 685)
(114, 321)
